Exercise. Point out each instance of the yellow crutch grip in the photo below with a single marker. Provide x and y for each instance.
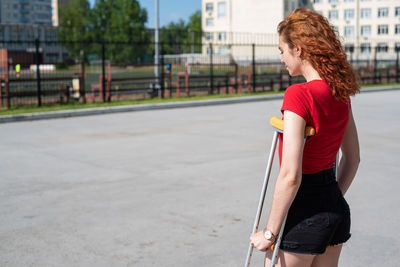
(278, 124)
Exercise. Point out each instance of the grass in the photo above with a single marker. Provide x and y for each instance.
(47, 107)
(25, 109)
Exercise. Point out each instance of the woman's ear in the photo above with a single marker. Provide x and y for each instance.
(298, 51)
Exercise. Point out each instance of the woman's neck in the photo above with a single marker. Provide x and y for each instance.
(309, 73)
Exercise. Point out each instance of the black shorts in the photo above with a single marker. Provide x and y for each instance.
(319, 216)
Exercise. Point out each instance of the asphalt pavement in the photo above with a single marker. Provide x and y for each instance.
(175, 187)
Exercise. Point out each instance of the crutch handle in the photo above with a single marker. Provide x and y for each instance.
(277, 123)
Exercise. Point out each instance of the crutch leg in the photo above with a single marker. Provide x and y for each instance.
(277, 244)
(262, 197)
(278, 126)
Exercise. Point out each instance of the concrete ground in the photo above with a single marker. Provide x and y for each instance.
(175, 187)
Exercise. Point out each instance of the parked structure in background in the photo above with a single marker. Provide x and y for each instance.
(245, 22)
(364, 24)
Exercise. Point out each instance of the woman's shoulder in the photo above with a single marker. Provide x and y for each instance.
(298, 89)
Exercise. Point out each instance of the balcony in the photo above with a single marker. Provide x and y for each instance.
(24, 2)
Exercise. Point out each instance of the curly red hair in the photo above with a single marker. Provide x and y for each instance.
(320, 46)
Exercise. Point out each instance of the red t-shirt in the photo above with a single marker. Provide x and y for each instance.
(313, 101)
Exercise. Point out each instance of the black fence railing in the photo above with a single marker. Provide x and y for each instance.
(47, 72)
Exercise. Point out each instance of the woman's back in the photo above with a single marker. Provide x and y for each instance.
(313, 101)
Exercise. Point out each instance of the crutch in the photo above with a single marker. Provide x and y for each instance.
(277, 124)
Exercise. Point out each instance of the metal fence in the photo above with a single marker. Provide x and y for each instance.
(37, 72)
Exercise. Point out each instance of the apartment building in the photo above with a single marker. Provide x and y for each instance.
(245, 22)
(23, 21)
(366, 26)
(28, 12)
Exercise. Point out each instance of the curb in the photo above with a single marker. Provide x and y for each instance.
(144, 107)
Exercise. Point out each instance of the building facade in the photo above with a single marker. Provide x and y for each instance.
(245, 22)
(26, 12)
(366, 26)
(23, 21)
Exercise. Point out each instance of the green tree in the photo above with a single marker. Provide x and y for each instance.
(180, 37)
(75, 31)
(173, 37)
(195, 32)
(121, 22)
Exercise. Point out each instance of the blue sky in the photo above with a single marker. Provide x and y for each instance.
(170, 10)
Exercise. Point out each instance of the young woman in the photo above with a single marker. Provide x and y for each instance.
(318, 217)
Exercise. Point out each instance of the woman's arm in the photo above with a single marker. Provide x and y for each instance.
(350, 159)
(289, 178)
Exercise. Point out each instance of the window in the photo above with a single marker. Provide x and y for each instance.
(365, 13)
(333, 14)
(349, 31)
(397, 12)
(382, 47)
(397, 47)
(317, 1)
(397, 29)
(383, 12)
(383, 29)
(221, 10)
(349, 14)
(210, 22)
(365, 30)
(333, 1)
(365, 48)
(223, 50)
(349, 48)
(209, 36)
(209, 7)
(349, 0)
(222, 36)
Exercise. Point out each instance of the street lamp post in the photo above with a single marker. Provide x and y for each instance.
(192, 43)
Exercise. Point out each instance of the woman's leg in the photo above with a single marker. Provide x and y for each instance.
(330, 258)
(288, 259)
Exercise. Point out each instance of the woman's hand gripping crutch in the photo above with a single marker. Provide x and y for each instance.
(277, 124)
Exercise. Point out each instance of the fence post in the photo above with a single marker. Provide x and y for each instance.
(397, 48)
(211, 70)
(254, 68)
(236, 77)
(82, 86)
(375, 64)
(103, 70)
(162, 87)
(37, 62)
(7, 81)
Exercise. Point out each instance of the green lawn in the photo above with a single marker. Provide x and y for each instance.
(24, 109)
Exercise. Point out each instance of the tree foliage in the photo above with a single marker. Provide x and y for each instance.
(118, 23)
(180, 37)
(75, 27)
